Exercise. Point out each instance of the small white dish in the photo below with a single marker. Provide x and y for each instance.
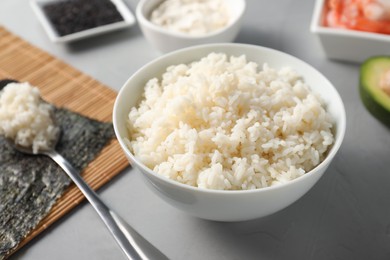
(344, 44)
(37, 6)
(165, 40)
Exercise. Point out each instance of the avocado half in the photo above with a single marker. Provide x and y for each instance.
(374, 73)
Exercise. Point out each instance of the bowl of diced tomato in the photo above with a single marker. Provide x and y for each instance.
(352, 30)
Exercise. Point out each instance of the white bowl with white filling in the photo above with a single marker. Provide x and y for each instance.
(167, 38)
(243, 201)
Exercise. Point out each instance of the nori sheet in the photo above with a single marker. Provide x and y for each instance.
(30, 184)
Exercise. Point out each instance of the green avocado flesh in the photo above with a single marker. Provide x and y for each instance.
(374, 98)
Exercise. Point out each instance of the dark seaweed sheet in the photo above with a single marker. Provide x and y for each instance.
(30, 185)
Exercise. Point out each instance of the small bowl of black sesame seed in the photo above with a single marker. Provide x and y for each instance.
(70, 20)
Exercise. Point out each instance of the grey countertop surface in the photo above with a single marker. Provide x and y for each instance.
(345, 216)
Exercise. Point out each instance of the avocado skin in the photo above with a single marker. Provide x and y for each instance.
(375, 109)
(372, 106)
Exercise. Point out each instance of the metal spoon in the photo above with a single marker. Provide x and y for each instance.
(131, 242)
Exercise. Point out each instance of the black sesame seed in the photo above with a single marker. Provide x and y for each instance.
(72, 16)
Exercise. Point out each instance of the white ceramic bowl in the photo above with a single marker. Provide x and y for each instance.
(347, 45)
(128, 21)
(166, 41)
(228, 205)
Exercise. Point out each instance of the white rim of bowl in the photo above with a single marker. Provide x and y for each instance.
(330, 155)
(145, 21)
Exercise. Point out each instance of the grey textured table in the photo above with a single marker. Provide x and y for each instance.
(345, 216)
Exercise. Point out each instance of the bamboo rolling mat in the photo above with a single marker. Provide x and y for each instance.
(63, 86)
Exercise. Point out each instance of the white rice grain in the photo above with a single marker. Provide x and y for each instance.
(223, 123)
(25, 118)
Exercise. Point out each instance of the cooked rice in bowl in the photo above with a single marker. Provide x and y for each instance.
(224, 123)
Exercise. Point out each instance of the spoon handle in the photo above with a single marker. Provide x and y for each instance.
(132, 243)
